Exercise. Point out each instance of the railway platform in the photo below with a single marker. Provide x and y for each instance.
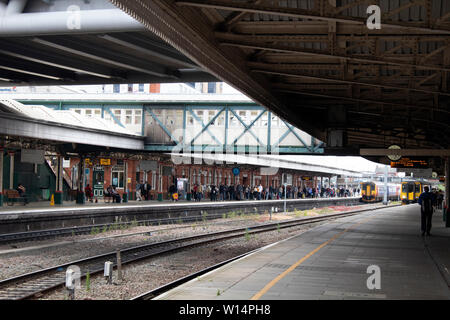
(374, 255)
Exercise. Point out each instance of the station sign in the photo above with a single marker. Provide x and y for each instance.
(410, 163)
(32, 156)
(307, 178)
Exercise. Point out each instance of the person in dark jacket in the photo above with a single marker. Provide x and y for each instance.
(426, 201)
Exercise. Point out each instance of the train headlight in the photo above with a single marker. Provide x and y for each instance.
(403, 197)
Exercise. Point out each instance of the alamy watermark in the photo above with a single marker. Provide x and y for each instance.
(74, 18)
(374, 280)
(203, 152)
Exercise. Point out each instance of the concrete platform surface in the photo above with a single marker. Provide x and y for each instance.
(332, 261)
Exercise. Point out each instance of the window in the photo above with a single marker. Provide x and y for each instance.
(243, 115)
(118, 177)
(221, 120)
(130, 88)
(138, 117)
(211, 115)
(78, 111)
(88, 113)
(97, 113)
(141, 87)
(116, 88)
(211, 87)
(128, 116)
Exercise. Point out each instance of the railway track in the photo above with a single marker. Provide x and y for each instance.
(72, 231)
(36, 283)
(34, 229)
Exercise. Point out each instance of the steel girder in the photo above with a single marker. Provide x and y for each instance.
(304, 60)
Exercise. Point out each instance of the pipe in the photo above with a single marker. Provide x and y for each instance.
(68, 22)
(15, 7)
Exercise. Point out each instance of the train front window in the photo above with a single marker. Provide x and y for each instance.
(407, 187)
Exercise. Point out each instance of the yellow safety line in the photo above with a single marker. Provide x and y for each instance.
(264, 290)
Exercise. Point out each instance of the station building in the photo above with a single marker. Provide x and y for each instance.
(53, 149)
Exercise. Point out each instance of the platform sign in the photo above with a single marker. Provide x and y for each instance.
(306, 178)
(32, 156)
(410, 163)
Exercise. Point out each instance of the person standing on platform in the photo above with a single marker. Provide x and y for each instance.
(143, 193)
(200, 192)
(21, 190)
(426, 200)
(138, 191)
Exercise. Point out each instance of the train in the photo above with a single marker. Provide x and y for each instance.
(411, 191)
(373, 191)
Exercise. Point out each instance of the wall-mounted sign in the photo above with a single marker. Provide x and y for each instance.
(410, 163)
(417, 173)
(66, 163)
(148, 165)
(307, 178)
(236, 171)
(88, 162)
(32, 156)
(105, 162)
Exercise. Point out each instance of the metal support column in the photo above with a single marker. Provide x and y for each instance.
(11, 170)
(1, 177)
(385, 197)
(160, 182)
(80, 195)
(126, 191)
(59, 181)
(447, 192)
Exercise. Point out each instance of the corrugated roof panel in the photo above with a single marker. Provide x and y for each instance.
(67, 117)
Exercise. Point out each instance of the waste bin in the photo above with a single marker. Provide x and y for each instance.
(188, 197)
(58, 197)
(81, 198)
(125, 197)
(160, 196)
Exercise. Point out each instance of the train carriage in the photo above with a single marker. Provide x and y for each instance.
(374, 191)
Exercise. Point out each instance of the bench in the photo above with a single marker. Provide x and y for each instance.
(11, 195)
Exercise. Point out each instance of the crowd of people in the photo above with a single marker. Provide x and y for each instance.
(258, 192)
